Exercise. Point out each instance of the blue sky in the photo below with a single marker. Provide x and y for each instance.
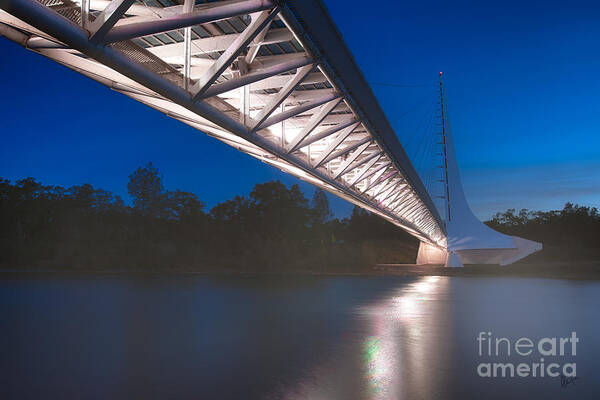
(523, 95)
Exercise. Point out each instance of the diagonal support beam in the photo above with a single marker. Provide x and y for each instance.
(171, 53)
(375, 178)
(101, 26)
(223, 120)
(292, 112)
(328, 132)
(358, 163)
(335, 143)
(256, 76)
(385, 185)
(238, 45)
(210, 13)
(276, 82)
(394, 189)
(377, 169)
(413, 213)
(405, 205)
(385, 193)
(391, 198)
(314, 121)
(397, 202)
(344, 167)
(346, 150)
(396, 194)
(382, 178)
(420, 216)
(283, 93)
(188, 6)
(364, 169)
(255, 47)
(406, 212)
(400, 187)
(400, 202)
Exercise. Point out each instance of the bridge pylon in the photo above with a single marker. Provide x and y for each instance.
(468, 240)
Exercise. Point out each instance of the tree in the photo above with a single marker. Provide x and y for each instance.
(145, 186)
(320, 206)
(231, 210)
(182, 206)
(278, 208)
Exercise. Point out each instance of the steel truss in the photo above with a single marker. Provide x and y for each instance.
(254, 74)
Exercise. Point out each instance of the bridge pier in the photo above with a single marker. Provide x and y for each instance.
(520, 248)
(432, 255)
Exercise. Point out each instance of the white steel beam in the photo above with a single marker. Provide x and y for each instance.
(374, 171)
(314, 121)
(255, 46)
(362, 161)
(295, 111)
(188, 6)
(396, 202)
(256, 76)
(364, 170)
(385, 185)
(391, 198)
(353, 123)
(393, 192)
(384, 194)
(401, 202)
(375, 178)
(407, 212)
(406, 205)
(350, 160)
(283, 93)
(171, 53)
(135, 9)
(276, 82)
(210, 13)
(239, 44)
(335, 143)
(383, 177)
(356, 156)
(409, 216)
(107, 19)
(346, 149)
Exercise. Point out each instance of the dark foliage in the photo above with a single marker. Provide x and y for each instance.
(274, 228)
(570, 233)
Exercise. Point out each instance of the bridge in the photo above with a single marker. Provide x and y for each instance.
(275, 80)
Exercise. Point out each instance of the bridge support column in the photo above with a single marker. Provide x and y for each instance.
(453, 260)
(429, 254)
(433, 255)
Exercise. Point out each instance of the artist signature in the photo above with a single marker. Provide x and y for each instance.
(567, 380)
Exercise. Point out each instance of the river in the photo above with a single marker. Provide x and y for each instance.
(189, 336)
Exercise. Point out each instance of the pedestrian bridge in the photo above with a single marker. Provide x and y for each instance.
(273, 79)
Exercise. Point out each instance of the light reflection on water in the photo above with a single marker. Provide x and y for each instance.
(390, 353)
(282, 337)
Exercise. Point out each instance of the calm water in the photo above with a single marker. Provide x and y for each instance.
(257, 337)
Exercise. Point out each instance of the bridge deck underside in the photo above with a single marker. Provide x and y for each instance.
(244, 72)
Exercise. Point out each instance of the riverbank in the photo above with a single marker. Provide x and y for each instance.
(558, 270)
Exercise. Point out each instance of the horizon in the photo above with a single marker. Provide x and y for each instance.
(529, 125)
(128, 200)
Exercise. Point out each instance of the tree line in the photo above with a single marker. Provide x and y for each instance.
(568, 234)
(274, 228)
